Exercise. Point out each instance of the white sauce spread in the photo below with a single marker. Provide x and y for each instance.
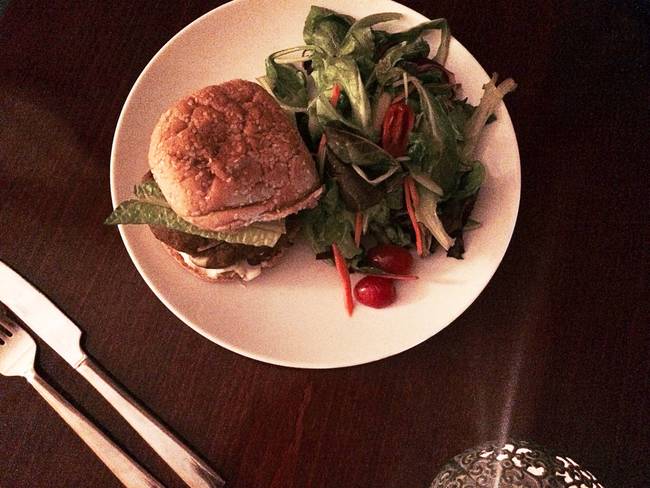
(245, 271)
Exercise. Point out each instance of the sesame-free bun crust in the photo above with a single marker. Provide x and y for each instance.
(227, 155)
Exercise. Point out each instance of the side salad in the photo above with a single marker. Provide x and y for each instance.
(393, 141)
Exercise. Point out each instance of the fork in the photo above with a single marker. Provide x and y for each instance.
(17, 356)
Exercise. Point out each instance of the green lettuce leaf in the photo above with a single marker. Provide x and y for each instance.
(149, 191)
(326, 29)
(330, 223)
(369, 160)
(141, 212)
(150, 207)
(345, 72)
(326, 114)
(288, 83)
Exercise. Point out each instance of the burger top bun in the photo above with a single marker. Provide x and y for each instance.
(227, 156)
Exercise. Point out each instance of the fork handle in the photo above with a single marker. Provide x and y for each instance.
(189, 467)
(128, 471)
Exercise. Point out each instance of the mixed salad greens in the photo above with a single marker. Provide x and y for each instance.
(393, 142)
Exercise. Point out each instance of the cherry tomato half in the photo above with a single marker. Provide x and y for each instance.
(390, 258)
(375, 292)
(397, 125)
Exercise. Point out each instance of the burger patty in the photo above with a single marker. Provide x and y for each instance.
(213, 254)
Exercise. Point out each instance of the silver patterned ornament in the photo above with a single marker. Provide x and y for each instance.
(513, 464)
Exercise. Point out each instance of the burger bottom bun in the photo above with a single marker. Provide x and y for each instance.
(223, 277)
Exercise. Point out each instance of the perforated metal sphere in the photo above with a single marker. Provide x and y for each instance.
(513, 464)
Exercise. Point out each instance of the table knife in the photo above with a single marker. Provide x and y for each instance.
(62, 335)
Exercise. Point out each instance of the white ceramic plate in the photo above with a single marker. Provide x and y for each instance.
(293, 315)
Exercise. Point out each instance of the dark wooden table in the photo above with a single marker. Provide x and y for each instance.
(555, 350)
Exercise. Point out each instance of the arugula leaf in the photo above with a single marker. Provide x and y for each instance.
(325, 114)
(444, 165)
(326, 29)
(459, 114)
(414, 33)
(264, 81)
(392, 233)
(369, 160)
(385, 72)
(288, 83)
(430, 73)
(379, 213)
(357, 193)
(395, 197)
(471, 181)
(143, 212)
(345, 72)
(328, 223)
(420, 151)
(445, 39)
(379, 220)
(359, 41)
(370, 20)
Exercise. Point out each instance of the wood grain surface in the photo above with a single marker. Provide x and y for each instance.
(555, 350)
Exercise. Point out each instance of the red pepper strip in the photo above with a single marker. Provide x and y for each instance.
(339, 260)
(336, 94)
(358, 228)
(411, 212)
(415, 196)
(342, 268)
(397, 125)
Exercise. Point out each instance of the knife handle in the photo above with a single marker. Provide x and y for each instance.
(129, 472)
(189, 467)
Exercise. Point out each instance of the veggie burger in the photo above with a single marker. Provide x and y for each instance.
(228, 172)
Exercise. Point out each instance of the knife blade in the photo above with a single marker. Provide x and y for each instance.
(62, 335)
(41, 315)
